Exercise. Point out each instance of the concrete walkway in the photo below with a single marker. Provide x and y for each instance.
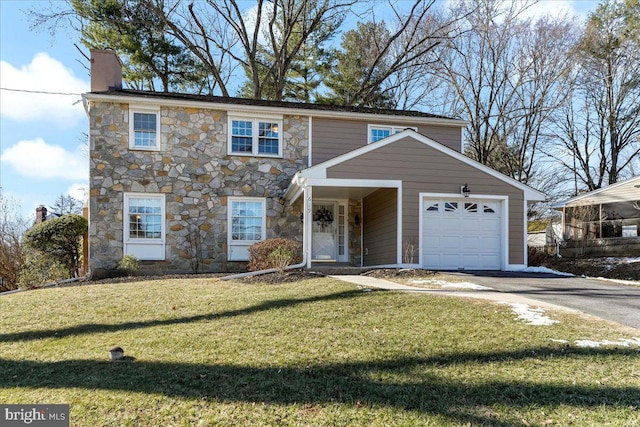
(491, 295)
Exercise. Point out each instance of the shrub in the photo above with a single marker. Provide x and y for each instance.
(59, 239)
(281, 258)
(537, 256)
(40, 269)
(129, 264)
(274, 253)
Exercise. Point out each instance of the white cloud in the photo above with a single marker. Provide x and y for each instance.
(36, 159)
(78, 191)
(552, 8)
(42, 74)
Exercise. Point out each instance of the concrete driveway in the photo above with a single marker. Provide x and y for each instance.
(611, 301)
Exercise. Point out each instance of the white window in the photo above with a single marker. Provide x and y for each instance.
(144, 128)
(255, 136)
(247, 222)
(378, 132)
(144, 225)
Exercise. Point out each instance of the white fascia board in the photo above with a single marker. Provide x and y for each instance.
(256, 109)
(291, 193)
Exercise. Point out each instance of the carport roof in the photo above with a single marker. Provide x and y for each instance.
(625, 191)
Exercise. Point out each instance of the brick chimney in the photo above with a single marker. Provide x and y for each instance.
(41, 214)
(106, 70)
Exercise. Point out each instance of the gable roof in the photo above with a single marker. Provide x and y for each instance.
(224, 102)
(628, 190)
(320, 170)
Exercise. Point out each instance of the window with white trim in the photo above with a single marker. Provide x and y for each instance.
(378, 132)
(144, 128)
(247, 221)
(255, 136)
(144, 225)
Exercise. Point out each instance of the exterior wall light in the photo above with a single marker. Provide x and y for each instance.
(464, 190)
(356, 220)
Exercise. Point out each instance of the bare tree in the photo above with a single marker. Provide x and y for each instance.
(213, 28)
(382, 64)
(479, 68)
(12, 256)
(543, 60)
(609, 54)
(598, 127)
(502, 74)
(578, 149)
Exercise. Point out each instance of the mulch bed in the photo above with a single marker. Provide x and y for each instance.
(286, 276)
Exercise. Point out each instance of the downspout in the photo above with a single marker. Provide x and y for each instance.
(305, 239)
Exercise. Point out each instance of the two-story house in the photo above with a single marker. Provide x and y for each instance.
(188, 182)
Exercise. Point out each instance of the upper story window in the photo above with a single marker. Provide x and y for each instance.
(378, 132)
(144, 128)
(255, 136)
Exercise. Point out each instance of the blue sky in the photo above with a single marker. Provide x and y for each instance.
(43, 149)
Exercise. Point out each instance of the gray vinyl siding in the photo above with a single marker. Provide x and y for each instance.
(424, 169)
(380, 214)
(333, 137)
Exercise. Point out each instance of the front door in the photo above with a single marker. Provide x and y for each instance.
(329, 231)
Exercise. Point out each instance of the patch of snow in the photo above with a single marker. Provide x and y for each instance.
(622, 260)
(620, 281)
(445, 284)
(621, 343)
(560, 341)
(545, 270)
(466, 285)
(533, 316)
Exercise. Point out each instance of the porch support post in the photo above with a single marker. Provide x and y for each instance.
(308, 201)
(600, 219)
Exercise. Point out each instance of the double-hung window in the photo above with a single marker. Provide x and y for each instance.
(378, 132)
(144, 225)
(255, 136)
(246, 225)
(144, 128)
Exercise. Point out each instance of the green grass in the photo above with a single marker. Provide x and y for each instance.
(201, 352)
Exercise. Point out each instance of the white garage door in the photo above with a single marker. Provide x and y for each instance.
(461, 234)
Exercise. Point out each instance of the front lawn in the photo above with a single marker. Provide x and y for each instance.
(201, 352)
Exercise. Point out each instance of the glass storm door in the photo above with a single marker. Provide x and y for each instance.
(324, 234)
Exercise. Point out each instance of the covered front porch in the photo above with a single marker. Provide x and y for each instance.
(348, 222)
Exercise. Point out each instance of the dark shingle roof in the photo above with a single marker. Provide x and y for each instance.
(267, 103)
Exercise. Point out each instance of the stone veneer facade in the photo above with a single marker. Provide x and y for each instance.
(196, 175)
